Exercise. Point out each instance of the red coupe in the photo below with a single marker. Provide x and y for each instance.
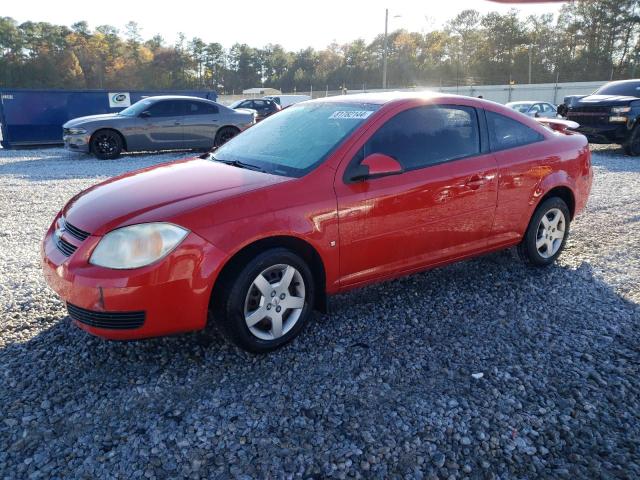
(325, 196)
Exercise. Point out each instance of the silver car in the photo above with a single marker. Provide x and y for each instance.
(156, 123)
(535, 109)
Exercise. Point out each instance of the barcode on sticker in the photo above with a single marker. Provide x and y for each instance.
(357, 114)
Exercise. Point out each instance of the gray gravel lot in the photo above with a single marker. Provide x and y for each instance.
(386, 386)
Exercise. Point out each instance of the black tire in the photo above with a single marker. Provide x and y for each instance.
(106, 144)
(224, 135)
(237, 291)
(632, 145)
(536, 232)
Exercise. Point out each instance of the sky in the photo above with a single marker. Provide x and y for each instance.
(293, 24)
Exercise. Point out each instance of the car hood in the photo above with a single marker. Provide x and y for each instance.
(160, 193)
(74, 122)
(604, 101)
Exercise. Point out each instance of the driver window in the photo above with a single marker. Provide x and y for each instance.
(429, 135)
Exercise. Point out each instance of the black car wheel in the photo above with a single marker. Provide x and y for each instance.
(106, 144)
(224, 135)
(632, 145)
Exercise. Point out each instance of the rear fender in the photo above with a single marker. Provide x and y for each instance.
(555, 179)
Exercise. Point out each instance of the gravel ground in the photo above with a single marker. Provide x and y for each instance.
(483, 369)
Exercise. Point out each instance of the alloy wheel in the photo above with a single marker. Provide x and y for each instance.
(551, 232)
(106, 144)
(274, 302)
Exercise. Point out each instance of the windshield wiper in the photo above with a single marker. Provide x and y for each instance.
(239, 164)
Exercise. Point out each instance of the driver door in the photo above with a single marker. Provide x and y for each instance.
(163, 127)
(441, 207)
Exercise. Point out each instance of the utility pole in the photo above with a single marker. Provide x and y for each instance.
(530, 54)
(384, 49)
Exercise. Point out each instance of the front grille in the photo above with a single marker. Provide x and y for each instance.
(74, 231)
(65, 131)
(65, 247)
(591, 119)
(109, 320)
(595, 110)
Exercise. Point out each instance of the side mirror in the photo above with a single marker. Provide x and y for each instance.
(537, 115)
(376, 165)
(145, 114)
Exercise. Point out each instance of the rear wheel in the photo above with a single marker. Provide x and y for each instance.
(224, 135)
(547, 233)
(632, 145)
(265, 304)
(106, 144)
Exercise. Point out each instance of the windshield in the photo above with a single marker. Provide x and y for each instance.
(137, 108)
(627, 89)
(236, 103)
(521, 107)
(296, 140)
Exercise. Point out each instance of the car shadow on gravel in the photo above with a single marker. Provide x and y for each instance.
(494, 365)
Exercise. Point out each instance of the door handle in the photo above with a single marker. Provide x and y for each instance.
(475, 182)
(177, 123)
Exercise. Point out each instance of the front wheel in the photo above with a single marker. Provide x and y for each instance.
(547, 233)
(267, 302)
(632, 145)
(106, 144)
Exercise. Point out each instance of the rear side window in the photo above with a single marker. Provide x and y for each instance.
(201, 108)
(505, 132)
(425, 136)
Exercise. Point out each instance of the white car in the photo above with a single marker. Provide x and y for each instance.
(535, 109)
(286, 100)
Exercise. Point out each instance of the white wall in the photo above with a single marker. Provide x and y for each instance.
(544, 92)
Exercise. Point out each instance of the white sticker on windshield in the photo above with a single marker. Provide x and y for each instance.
(356, 114)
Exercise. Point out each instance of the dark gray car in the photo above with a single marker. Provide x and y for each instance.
(156, 123)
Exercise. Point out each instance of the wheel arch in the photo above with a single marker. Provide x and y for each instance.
(295, 244)
(563, 192)
(230, 125)
(122, 137)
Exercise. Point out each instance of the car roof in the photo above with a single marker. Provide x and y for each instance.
(383, 98)
(527, 102)
(177, 97)
(620, 82)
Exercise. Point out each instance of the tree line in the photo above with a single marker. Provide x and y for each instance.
(587, 40)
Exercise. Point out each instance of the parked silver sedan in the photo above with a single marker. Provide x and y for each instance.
(535, 109)
(156, 123)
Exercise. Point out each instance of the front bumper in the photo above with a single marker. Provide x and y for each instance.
(604, 134)
(167, 297)
(77, 143)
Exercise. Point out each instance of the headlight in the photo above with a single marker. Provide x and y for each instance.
(76, 131)
(137, 245)
(620, 109)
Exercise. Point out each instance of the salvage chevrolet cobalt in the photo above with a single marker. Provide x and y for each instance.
(325, 196)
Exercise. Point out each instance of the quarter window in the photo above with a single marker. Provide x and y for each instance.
(201, 108)
(429, 135)
(505, 132)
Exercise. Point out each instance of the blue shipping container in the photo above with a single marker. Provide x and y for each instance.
(35, 117)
